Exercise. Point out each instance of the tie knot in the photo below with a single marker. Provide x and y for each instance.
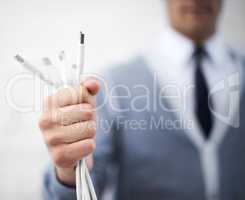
(199, 51)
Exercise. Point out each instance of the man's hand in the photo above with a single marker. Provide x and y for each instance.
(69, 128)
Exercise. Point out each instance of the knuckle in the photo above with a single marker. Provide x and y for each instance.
(44, 121)
(89, 129)
(88, 114)
(92, 131)
(91, 146)
(87, 110)
(52, 139)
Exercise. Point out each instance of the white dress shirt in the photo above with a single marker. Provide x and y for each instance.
(170, 57)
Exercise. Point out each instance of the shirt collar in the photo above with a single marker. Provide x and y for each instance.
(179, 48)
(215, 48)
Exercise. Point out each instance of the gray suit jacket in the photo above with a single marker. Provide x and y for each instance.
(153, 160)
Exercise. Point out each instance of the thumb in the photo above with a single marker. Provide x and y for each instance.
(92, 85)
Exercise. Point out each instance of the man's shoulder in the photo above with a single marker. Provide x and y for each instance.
(237, 54)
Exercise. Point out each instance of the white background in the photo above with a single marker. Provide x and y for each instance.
(116, 30)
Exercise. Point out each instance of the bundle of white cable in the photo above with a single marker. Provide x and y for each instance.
(70, 75)
(84, 185)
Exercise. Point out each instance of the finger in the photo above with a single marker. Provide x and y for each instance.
(69, 96)
(70, 134)
(92, 85)
(90, 161)
(66, 116)
(68, 155)
(75, 113)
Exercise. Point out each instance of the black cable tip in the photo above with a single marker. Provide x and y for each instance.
(19, 58)
(82, 38)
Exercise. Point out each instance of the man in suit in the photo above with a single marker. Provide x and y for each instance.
(168, 121)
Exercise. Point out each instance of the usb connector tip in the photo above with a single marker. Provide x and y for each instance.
(82, 38)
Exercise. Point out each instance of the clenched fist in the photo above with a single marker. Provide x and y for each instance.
(68, 124)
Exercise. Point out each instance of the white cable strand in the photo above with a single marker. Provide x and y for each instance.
(78, 183)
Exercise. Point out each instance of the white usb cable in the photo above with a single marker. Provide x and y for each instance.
(82, 174)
